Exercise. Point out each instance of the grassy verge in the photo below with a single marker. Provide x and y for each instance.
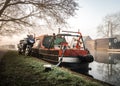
(18, 70)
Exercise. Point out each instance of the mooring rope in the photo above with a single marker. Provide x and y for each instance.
(61, 58)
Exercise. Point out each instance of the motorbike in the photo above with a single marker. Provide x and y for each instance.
(25, 45)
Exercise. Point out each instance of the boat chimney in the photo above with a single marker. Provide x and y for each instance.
(59, 30)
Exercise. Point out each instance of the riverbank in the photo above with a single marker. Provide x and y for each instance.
(18, 70)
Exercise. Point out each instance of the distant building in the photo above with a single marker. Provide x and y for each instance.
(89, 42)
(87, 38)
(102, 43)
(107, 43)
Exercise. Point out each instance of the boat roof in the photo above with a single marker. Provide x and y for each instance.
(68, 35)
(63, 34)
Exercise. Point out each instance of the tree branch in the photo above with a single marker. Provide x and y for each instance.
(4, 7)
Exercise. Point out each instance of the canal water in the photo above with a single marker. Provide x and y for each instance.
(106, 67)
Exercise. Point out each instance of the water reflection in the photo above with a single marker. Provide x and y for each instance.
(106, 67)
(83, 69)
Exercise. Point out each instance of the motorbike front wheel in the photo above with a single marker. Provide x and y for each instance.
(27, 51)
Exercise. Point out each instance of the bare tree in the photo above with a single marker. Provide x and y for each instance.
(110, 26)
(17, 14)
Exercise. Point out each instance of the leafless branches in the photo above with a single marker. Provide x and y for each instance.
(110, 26)
(23, 12)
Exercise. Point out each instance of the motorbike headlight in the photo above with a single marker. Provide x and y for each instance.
(31, 41)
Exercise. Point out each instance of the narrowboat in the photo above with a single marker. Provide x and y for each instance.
(65, 48)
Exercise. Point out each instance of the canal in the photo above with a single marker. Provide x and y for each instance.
(106, 67)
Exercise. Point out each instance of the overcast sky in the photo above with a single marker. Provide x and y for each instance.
(91, 13)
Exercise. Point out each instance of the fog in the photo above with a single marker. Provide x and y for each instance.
(7, 41)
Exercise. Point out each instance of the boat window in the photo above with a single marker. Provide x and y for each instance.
(59, 40)
(47, 41)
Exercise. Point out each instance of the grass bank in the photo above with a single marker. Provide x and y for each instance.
(18, 70)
